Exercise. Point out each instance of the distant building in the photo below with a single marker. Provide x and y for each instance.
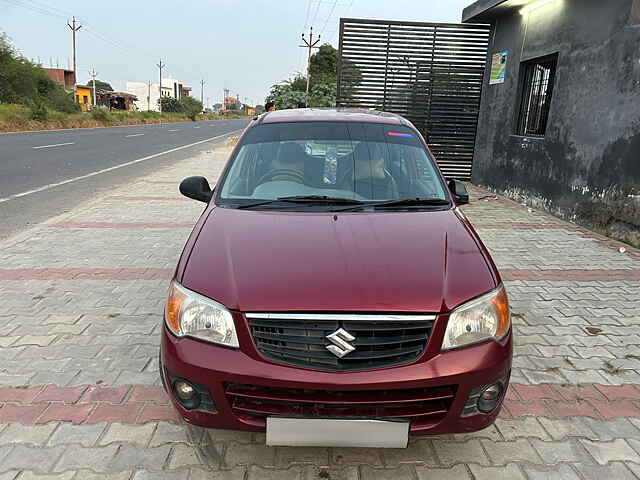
(64, 77)
(231, 103)
(117, 100)
(84, 97)
(149, 94)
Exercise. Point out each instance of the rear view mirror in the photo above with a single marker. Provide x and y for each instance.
(459, 191)
(196, 188)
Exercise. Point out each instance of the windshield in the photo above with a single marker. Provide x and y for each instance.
(332, 162)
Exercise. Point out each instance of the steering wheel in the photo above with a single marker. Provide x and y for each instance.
(289, 174)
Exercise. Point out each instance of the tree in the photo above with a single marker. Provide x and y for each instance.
(284, 96)
(187, 105)
(323, 95)
(298, 83)
(170, 105)
(323, 65)
(191, 107)
(322, 84)
(100, 85)
(25, 83)
(259, 109)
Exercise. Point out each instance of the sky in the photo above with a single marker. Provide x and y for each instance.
(243, 45)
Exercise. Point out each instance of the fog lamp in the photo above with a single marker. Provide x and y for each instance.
(489, 398)
(186, 394)
(184, 390)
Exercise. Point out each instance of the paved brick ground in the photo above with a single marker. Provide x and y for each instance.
(79, 392)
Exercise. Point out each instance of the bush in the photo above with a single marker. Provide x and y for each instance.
(170, 104)
(39, 113)
(62, 101)
(25, 83)
(100, 115)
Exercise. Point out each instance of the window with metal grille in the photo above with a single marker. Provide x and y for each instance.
(535, 95)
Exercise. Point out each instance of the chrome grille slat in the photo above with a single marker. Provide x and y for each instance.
(299, 339)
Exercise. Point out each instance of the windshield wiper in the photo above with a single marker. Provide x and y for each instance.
(305, 199)
(403, 202)
(320, 199)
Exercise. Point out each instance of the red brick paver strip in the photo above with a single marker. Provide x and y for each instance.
(147, 198)
(149, 394)
(59, 412)
(122, 225)
(166, 273)
(53, 393)
(105, 394)
(526, 225)
(572, 275)
(93, 404)
(86, 274)
(105, 412)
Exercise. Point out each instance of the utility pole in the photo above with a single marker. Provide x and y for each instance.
(310, 45)
(160, 66)
(202, 82)
(224, 100)
(93, 77)
(148, 95)
(74, 29)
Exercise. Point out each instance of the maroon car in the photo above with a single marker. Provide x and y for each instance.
(332, 293)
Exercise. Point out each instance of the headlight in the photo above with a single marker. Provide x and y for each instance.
(189, 314)
(485, 318)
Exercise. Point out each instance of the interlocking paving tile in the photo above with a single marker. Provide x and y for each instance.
(79, 329)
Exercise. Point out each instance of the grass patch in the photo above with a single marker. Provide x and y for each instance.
(19, 118)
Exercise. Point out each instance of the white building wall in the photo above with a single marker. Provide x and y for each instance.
(148, 97)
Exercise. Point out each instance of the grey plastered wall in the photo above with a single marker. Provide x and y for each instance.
(587, 168)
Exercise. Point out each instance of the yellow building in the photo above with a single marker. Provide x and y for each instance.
(84, 96)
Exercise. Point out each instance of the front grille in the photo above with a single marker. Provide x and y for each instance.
(301, 339)
(421, 406)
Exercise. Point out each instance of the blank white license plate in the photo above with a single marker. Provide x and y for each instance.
(322, 432)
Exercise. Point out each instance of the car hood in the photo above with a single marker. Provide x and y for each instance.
(271, 261)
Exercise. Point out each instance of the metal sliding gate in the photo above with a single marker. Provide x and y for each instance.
(430, 73)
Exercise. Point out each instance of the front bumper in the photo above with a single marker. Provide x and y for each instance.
(217, 368)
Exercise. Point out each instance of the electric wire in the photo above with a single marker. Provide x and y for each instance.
(326, 22)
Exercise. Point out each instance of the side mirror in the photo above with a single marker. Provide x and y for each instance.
(196, 188)
(459, 192)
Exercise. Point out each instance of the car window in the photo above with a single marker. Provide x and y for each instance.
(360, 161)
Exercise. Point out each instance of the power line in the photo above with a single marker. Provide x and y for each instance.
(326, 22)
(35, 9)
(306, 18)
(89, 28)
(316, 14)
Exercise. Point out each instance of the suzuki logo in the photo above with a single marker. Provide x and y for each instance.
(341, 346)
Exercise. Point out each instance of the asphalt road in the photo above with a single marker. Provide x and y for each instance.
(44, 174)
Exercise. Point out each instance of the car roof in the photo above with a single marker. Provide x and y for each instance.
(331, 115)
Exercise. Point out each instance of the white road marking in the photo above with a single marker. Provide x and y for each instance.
(196, 127)
(56, 145)
(174, 130)
(134, 135)
(115, 167)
